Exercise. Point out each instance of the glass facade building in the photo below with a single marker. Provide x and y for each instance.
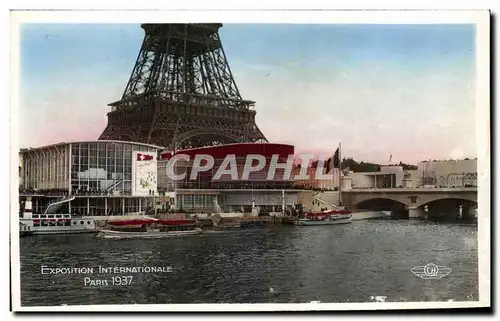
(95, 167)
(99, 173)
(103, 167)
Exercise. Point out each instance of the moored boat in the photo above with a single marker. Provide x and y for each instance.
(331, 217)
(290, 220)
(25, 229)
(52, 222)
(148, 228)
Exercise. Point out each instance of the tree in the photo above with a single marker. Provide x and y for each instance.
(407, 167)
(369, 167)
(358, 167)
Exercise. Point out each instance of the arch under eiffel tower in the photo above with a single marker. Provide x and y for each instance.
(181, 93)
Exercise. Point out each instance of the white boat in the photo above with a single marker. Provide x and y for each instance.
(367, 215)
(150, 234)
(325, 218)
(314, 222)
(51, 222)
(148, 228)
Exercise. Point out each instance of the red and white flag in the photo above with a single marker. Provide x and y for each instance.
(143, 157)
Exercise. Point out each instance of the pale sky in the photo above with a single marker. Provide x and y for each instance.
(405, 90)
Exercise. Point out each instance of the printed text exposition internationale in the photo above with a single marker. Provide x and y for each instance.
(100, 269)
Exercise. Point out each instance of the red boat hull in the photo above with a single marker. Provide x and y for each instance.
(140, 222)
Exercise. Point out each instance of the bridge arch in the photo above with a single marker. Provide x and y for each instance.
(379, 201)
(447, 208)
(422, 201)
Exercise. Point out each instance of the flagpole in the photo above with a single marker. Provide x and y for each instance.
(332, 170)
(340, 173)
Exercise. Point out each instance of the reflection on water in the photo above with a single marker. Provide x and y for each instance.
(341, 263)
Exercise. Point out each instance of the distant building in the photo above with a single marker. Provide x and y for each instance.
(387, 177)
(20, 170)
(452, 173)
(449, 173)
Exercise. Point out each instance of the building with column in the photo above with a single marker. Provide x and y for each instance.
(387, 177)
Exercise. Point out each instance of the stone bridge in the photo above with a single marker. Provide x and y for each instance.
(410, 197)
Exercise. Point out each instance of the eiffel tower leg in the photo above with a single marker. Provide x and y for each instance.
(151, 128)
(174, 138)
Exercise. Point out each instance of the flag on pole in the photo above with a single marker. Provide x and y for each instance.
(336, 158)
(390, 158)
(328, 165)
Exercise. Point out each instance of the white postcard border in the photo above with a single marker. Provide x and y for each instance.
(480, 18)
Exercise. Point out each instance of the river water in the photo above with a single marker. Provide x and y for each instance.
(286, 264)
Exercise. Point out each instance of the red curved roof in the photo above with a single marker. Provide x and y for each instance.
(239, 150)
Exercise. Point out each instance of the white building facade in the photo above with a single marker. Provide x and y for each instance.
(387, 177)
(450, 173)
(445, 174)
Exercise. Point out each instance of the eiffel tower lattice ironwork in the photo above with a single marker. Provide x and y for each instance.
(181, 93)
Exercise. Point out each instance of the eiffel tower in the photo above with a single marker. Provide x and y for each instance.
(181, 93)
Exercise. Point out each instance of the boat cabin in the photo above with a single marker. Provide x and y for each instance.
(58, 220)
